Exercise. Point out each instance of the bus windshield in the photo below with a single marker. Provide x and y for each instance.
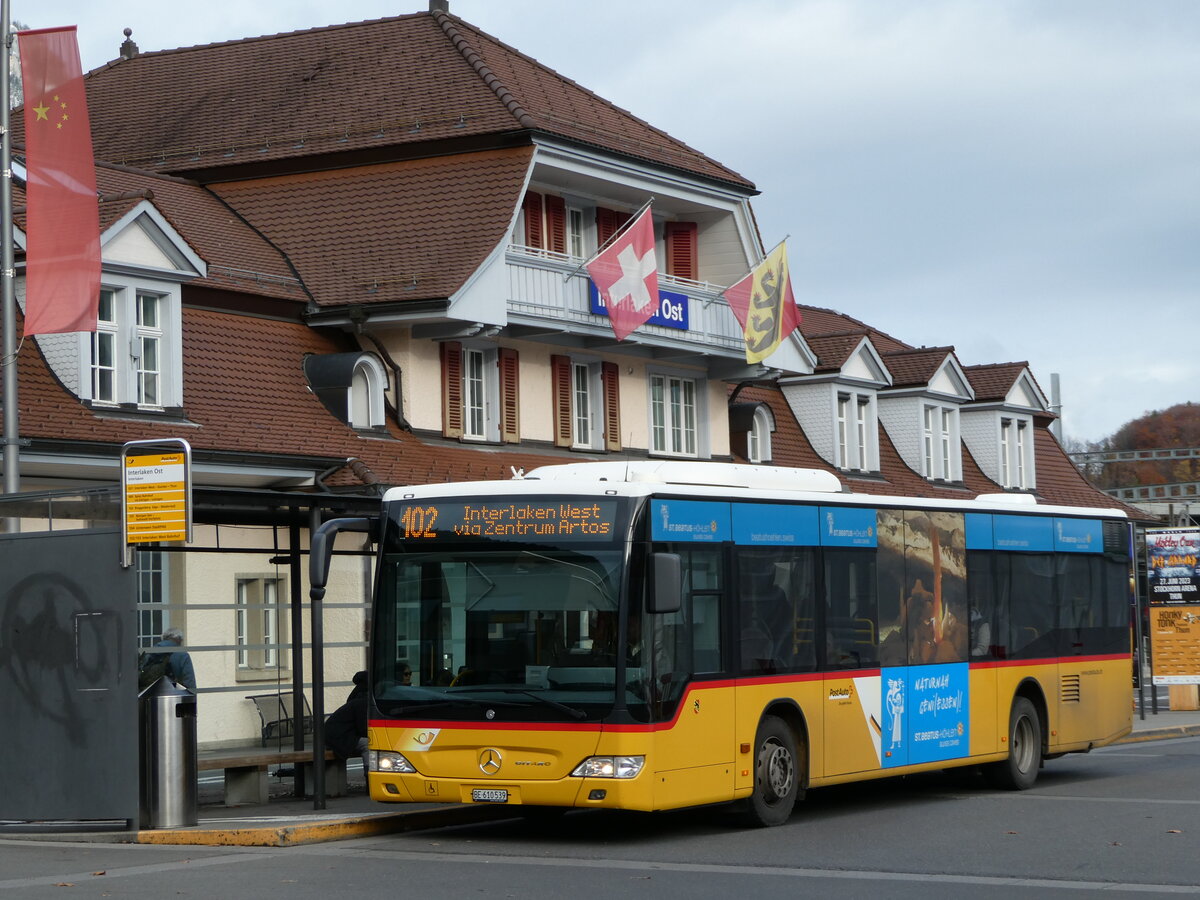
(471, 629)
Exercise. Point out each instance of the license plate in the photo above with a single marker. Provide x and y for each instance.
(486, 795)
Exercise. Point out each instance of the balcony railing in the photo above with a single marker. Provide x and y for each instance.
(542, 291)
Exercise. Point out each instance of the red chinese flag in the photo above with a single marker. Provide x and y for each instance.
(626, 275)
(62, 222)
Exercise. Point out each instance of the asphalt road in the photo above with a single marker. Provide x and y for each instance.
(1124, 821)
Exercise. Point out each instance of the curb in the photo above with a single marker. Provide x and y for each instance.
(1160, 734)
(340, 828)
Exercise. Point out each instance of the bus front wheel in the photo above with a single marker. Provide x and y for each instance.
(1020, 770)
(777, 774)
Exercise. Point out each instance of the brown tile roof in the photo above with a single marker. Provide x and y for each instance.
(384, 85)
(916, 366)
(372, 234)
(238, 258)
(993, 382)
(833, 350)
(1059, 482)
(816, 321)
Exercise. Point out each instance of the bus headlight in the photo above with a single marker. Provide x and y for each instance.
(610, 767)
(386, 761)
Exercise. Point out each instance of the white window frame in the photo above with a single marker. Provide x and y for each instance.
(146, 369)
(106, 335)
(857, 432)
(940, 437)
(147, 349)
(259, 624)
(1016, 452)
(480, 393)
(577, 232)
(587, 417)
(364, 401)
(758, 441)
(674, 424)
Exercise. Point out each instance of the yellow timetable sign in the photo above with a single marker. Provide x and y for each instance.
(156, 498)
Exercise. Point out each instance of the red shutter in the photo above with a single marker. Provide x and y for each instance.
(452, 399)
(556, 224)
(608, 223)
(560, 399)
(510, 407)
(610, 381)
(534, 233)
(681, 249)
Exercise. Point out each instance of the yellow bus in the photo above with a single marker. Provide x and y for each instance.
(655, 635)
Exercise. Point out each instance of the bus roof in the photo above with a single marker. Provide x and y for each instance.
(710, 480)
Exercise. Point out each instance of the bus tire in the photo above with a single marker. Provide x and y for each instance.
(1020, 770)
(777, 774)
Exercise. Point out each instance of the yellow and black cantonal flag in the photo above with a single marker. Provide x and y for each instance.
(764, 305)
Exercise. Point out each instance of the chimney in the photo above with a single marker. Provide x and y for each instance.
(128, 49)
(439, 6)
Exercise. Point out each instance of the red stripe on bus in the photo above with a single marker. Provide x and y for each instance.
(1050, 661)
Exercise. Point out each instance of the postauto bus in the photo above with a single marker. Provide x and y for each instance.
(656, 635)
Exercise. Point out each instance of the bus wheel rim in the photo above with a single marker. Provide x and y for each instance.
(778, 771)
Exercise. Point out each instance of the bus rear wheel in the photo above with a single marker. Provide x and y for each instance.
(1020, 770)
(777, 774)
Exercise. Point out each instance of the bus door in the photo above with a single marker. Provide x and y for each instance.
(852, 693)
(692, 700)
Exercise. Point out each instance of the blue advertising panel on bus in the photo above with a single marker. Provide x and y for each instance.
(1078, 536)
(775, 524)
(848, 526)
(926, 714)
(979, 531)
(1023, 533)
(689, 520)
(672, 309)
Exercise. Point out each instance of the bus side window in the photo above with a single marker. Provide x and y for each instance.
(851, 623)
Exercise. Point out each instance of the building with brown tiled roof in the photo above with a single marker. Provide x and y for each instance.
(326, 297)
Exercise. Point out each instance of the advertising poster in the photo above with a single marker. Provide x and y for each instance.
(1171, 565)
(1175, 643)
(925, 714)
(1172, 589)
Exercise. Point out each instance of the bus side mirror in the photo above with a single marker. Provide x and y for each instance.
(666, 583)
(320, 547)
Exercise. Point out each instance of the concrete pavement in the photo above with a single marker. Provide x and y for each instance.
(287, 821)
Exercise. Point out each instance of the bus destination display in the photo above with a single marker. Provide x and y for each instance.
(514, 520)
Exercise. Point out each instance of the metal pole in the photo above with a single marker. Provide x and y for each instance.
(8, 363)
(316, 612)
(296, 614)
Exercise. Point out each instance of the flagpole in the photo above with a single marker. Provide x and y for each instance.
(8, 303)
(616, 234)
(721, 294)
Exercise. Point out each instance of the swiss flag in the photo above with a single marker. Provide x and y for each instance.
(626, 275)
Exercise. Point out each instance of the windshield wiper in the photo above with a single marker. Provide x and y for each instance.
(571, 711)
(457, 701)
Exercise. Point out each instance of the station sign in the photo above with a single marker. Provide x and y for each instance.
(672, 309)
(156, 491)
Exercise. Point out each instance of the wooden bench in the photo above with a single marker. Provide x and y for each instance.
(246, 776)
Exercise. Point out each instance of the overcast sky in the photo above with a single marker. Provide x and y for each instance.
(1019, 179)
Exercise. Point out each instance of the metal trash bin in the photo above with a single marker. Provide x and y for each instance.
(167, 744)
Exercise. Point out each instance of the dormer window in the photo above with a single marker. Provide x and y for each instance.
(1016, 461)
(134, 357)
(367, 385)
(758, 439)
(350, 385)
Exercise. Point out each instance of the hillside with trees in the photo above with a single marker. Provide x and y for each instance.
(1175, 428)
